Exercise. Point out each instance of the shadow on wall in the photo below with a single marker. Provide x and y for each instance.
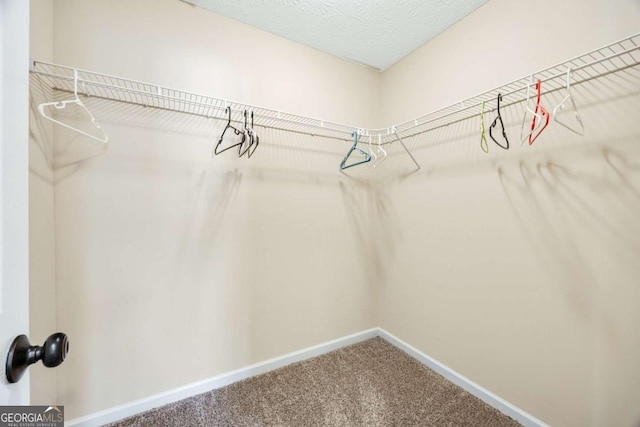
(607, 107)
(576, 197)
(372, 221)
(571, 214)
(207, 206)
(40, 135)
(149, 142)
(139, 223)
(579, 214)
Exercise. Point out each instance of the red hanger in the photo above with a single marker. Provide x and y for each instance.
(539, 110)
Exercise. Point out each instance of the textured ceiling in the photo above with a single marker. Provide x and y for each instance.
(377, 33)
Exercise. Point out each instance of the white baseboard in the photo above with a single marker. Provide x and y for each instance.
(127, 410)
(478, 391)
(123, 411)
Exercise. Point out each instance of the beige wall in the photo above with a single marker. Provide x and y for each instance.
(519, 270)
(515, 269)
(171, 266)
(41, 214)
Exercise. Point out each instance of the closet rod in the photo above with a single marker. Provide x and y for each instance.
(235, 121)
(505, 105)
(102, 86)
(612, 58)
(471, 105)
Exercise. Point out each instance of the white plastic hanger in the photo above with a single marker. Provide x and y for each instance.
(483, 138)
(375, 158)
(379, 150)
(63, 104)
(563, 105)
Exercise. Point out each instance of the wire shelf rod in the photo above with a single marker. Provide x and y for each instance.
(270, 120)
(123, 87)
(612, 58)
(477, 104)
(235, 121)
(505, 105)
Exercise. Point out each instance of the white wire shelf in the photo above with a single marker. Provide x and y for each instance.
(56, 77)
(606, 60)
(615, 57)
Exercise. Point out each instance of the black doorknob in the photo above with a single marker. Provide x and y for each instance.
(22, 354)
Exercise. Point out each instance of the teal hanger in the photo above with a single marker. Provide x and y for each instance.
(353, 148)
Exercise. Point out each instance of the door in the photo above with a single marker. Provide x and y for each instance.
(14, 188)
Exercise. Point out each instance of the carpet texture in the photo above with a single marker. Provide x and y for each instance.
(371, 383)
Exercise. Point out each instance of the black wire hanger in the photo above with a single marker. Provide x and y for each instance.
(236, 131)
(494, 124)
(254, 139)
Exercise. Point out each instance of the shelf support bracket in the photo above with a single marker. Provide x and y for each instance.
(407, 150)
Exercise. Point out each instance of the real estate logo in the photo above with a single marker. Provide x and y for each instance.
(31, 416)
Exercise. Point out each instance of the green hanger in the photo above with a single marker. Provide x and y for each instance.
(483, 138)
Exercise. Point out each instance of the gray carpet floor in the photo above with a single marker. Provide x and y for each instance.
(370, 383)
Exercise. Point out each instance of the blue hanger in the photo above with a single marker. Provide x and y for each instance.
(353, 148)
